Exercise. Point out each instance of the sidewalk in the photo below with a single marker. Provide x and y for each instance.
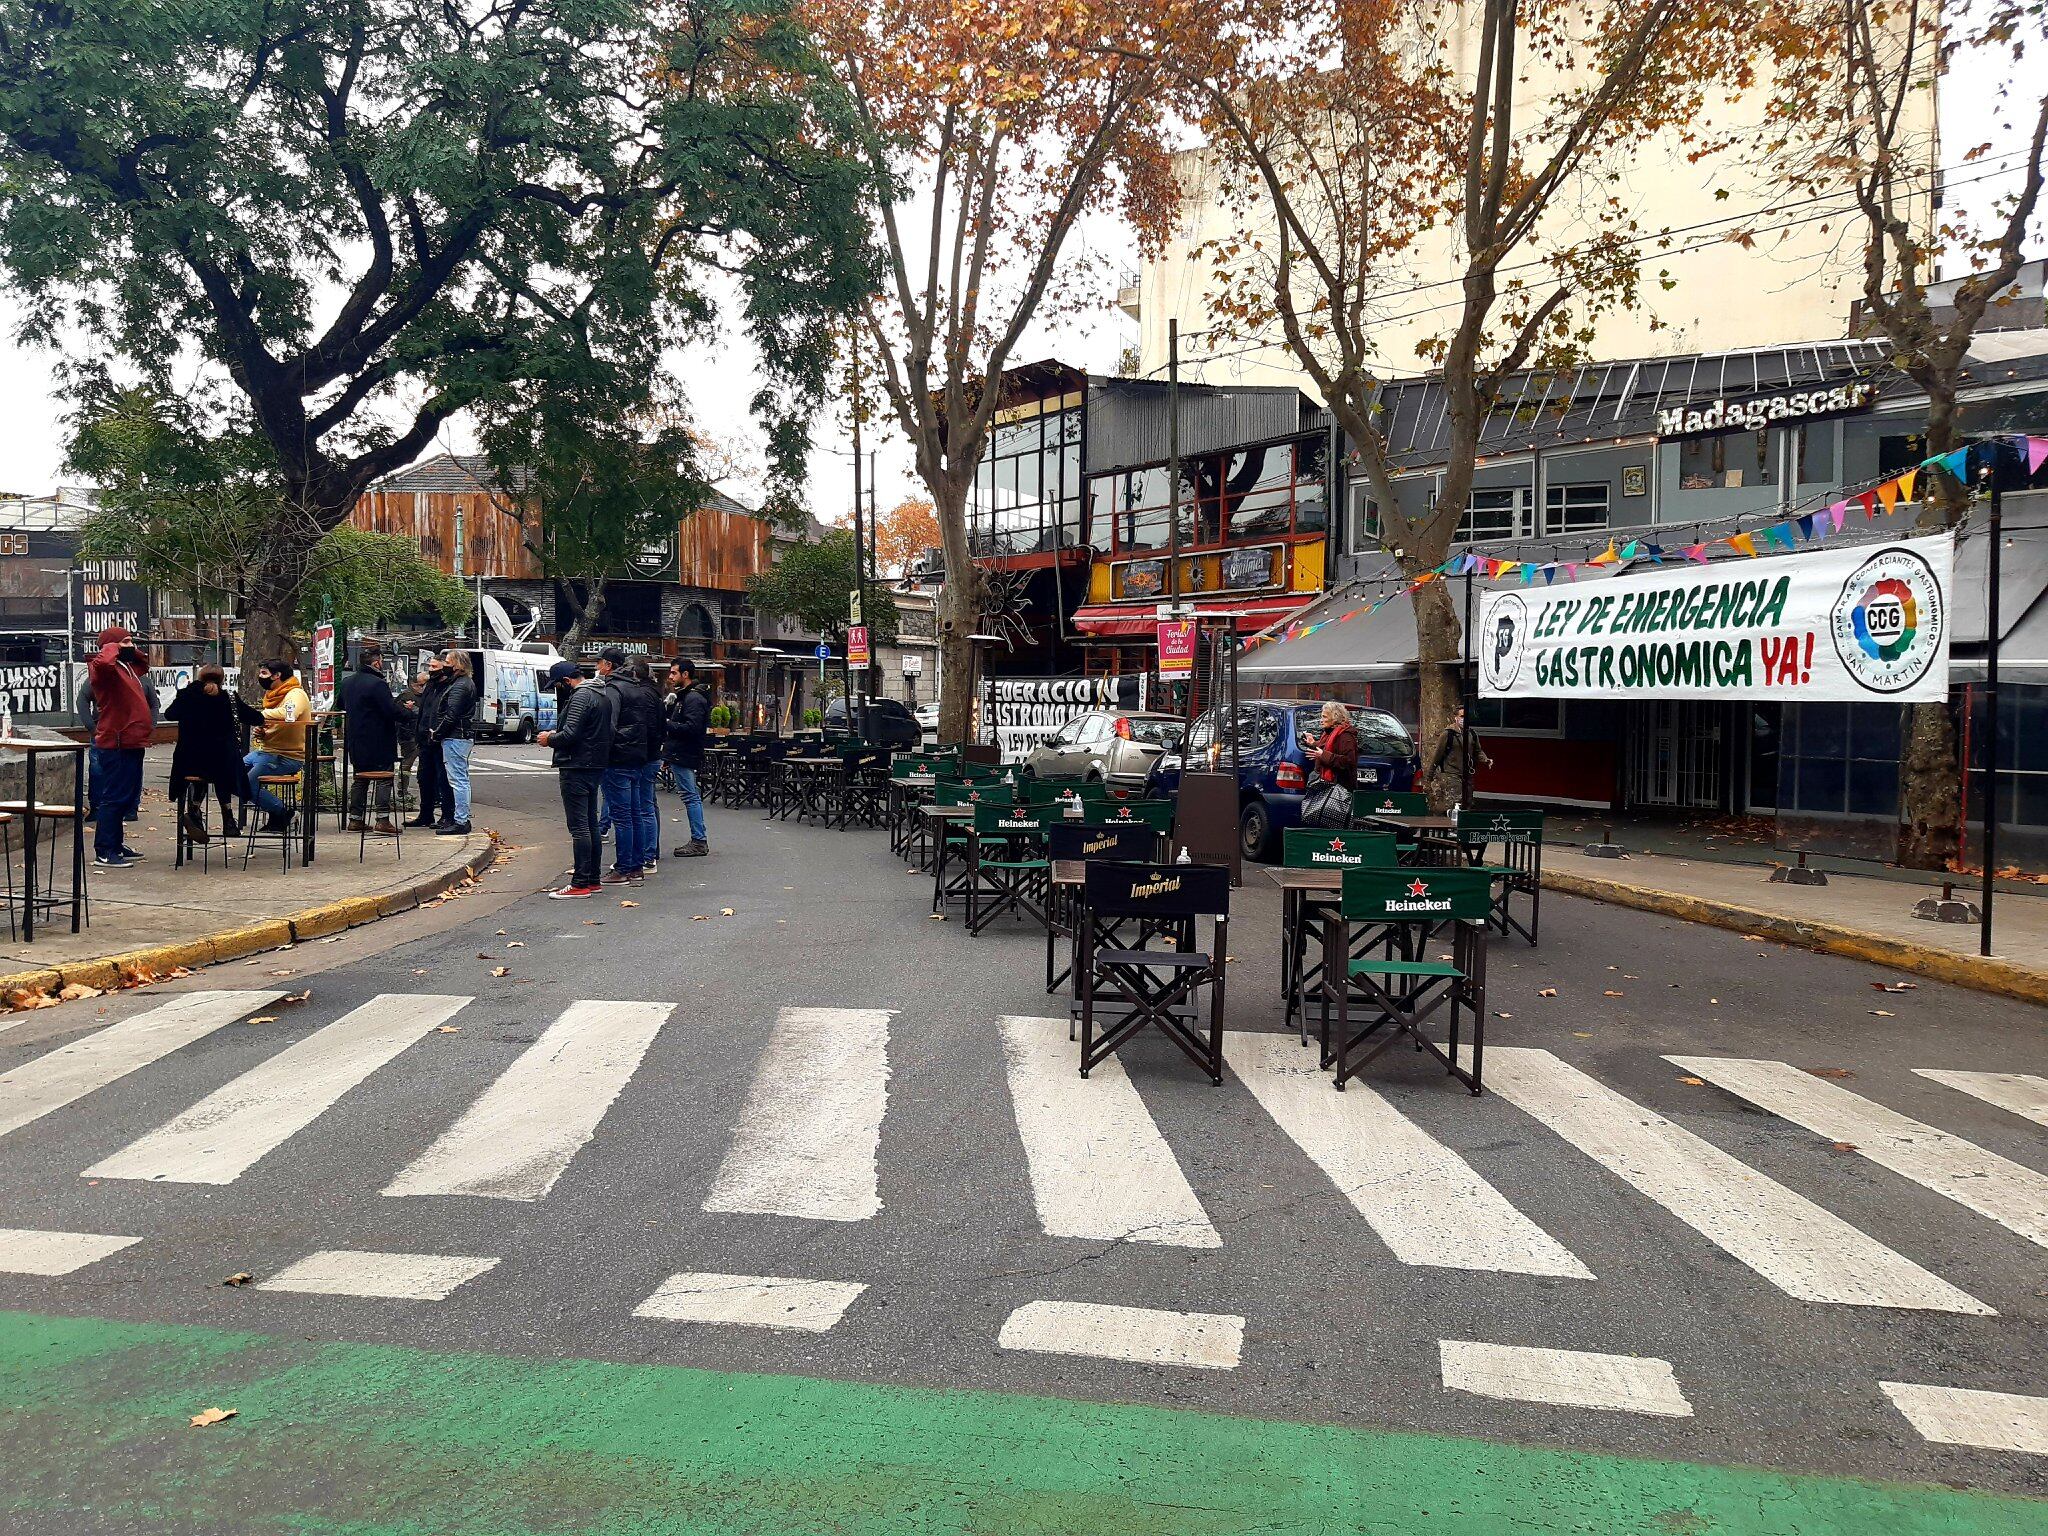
(154, 917)
(1862, 916)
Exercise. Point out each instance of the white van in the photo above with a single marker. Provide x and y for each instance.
(514, 701)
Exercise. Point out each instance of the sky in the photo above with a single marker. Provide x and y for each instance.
(32, 431)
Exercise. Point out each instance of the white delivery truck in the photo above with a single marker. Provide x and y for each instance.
(514, 701)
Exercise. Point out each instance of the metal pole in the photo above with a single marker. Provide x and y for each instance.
(1173, 470)
(1465, 691)
(857, 723)
(1991, 701)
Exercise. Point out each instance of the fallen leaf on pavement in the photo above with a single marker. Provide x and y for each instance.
(76, 990)
(501, 970)
(1714, 1000)
(1755, 938)
(286, 972)
(1841, 1146)
(700, 917)
(21, 999)
(503, 931)
(212, 1416)
(629, 903)
(1695, 1082)
(1499, 1015)
(1882, 1013)
(1547, 992)
(419, 970)
(517, 944)
(296, 997)
(938, 917)
(264, 1018)
(449, 1029)
(1626, 977)
(1882, 986)
(239, 1277)
(727, 912)
(1829, 1072)
(1610, 992)
(1583, 1034)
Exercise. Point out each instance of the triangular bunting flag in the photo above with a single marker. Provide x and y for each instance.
(1957, 463)
(1571, 570)
(1655, 552)
(1806, 526)
(1787, 535)
(1697, 553)
(1888, 493)
(1868, 501)
(1549, 574)
(1744, 543)
(1628, 551)
(1906, 482)
(1836, 513)
(1528, 574)
(1607, 556)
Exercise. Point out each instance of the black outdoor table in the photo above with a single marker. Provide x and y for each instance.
(906, 793)
(27, 808)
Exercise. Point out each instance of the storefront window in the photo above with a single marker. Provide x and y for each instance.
(1226, 498)
(1495, 512)
(1575, 508)
(1027, 488)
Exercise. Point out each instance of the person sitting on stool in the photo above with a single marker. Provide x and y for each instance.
(371, 722)
(280, 739)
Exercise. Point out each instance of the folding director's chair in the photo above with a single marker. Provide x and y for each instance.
(1153, 986)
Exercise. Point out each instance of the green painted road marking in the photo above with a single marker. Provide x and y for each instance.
(376, 1441)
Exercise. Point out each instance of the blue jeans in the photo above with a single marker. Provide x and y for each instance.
(693, 802)
(455, 764)
(260, 763)
(622, 804)
(116, 782)
(650, 813)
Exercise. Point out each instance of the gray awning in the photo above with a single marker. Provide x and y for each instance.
(1369, 647)
(2022, 569)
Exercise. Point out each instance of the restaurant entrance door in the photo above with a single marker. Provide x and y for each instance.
(1676, 755)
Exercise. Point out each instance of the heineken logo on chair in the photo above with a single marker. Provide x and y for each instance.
(1334, 852)
(1419, 900)
(1417, 894)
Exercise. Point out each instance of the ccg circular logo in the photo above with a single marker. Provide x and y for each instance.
(1503, 631)
(1887, 621)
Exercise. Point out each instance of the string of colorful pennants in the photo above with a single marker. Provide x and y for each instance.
(1787, 535)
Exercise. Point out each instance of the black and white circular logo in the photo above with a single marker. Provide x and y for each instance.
(1503, 629)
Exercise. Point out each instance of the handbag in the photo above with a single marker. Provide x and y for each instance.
(1327, 805)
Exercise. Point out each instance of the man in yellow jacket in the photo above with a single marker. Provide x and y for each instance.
(280, 741)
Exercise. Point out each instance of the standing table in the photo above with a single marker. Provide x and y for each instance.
(27, 809)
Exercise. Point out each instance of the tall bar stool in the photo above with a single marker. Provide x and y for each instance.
(195, 794)
(47, 897)
(286, 787)
(7, 863)
(371, 779)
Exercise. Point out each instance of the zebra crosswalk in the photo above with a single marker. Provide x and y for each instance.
(809, 1137)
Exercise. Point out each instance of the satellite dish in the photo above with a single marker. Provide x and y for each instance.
(508, 638)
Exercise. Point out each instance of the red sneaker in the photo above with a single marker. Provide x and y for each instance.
(571, 892)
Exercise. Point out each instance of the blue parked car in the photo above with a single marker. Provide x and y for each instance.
(1274, 737)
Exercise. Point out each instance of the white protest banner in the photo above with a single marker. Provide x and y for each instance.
(1867, 623)
(1024, 711)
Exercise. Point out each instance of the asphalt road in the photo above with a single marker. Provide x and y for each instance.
(1757, 1277)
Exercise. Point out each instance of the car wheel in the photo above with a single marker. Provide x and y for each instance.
(1095, 774)
(528, 730)
(1255, 830)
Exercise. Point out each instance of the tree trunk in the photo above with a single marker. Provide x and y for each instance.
(1930, 776)
(959, 611)
(571, 642)
(269, 622)
(1439, 650)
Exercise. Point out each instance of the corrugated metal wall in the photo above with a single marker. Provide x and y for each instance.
(1127, 424)
(720, 550)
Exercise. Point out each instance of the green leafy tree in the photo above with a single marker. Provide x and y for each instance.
(365, 216)
(592, 472)
(810, 583)
(364, 580)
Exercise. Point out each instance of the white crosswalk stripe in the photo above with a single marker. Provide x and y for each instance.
(2011, 1195)
(27, 1252)
(218, 1139)
(386, 1276)
(752, 1301)
(33, 1089)
(1802, 1249)
(1570, 1378)
(1425, 1201)
(1099, 1167)
(1207, 1341)
(1991, 1421)
(808, 1141)
(518, 1138)
(2020, 1092)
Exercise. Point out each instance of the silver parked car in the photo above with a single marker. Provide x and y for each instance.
(1117, 746)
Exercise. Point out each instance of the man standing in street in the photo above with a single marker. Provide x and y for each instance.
(688, 713)
(454, 728)
(433, 786)
(409, 732)
(650, 771)
(636, 726)
(581, 742)
(122, 721)
(1449, 764)
(371, 722)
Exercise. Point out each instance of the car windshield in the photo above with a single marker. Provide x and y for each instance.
(1379, 733)
(1162, 732)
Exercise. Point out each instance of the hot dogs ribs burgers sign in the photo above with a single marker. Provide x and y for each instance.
(1868, 623)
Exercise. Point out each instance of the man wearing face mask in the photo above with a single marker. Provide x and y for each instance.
(122, 721)
(432, 780)
(280, 744)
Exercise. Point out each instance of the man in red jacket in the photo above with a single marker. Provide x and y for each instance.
(122, 722)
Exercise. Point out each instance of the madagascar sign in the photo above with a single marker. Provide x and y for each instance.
(1868, 623)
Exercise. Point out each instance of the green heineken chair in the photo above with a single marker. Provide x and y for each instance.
(952, 836)
(1520, 870)
(1007, 867)
(1400, 990)
(1302, 908)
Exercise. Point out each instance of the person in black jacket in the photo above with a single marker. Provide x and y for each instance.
(582, 743)
(636, 741)
(370, 731)
(454, 728)
(686, 717)
(209, 747)
(433, 784)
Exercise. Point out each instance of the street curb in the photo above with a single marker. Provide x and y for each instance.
(2000, 977)
(138, 965)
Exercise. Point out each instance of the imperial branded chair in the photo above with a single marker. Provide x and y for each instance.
(1124, 991)
(1070, 843)
(1397, 991)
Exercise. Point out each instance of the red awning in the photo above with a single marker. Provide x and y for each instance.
(1137, 620)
